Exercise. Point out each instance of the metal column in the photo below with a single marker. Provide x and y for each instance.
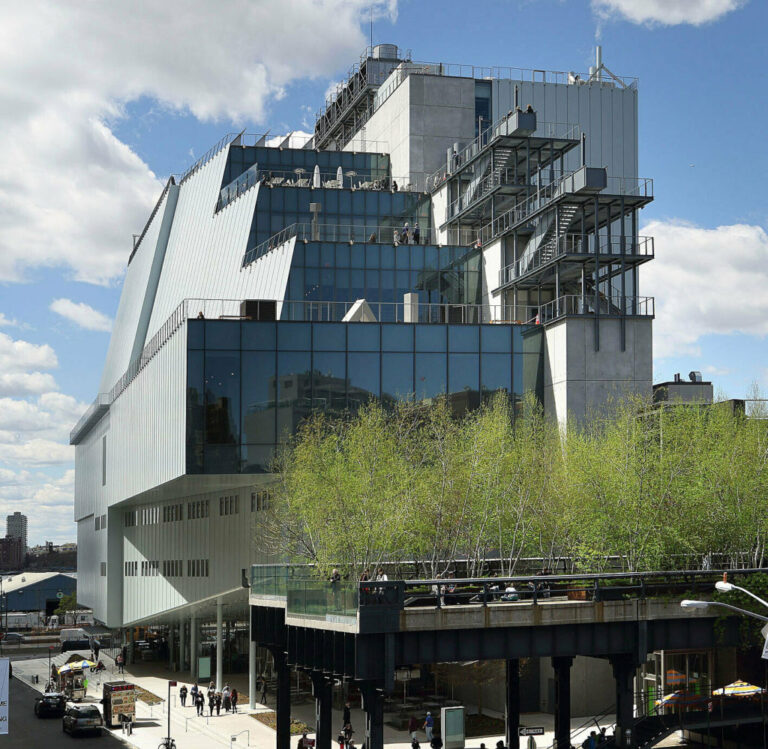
(171, 645)
(623, 280)
(623, 673)
(373, 705)
(182, 645)
(597, 275)
(513, 703)
(219, 646)
(562, 667)
(251, 663)
(282, 699)
(193, 648)
(322, 691)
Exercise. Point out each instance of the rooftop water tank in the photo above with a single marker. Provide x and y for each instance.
(385, 52)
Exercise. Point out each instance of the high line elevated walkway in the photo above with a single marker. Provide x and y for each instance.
(364, 631)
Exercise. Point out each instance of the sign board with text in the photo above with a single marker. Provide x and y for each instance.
(530, 731)
(4, 695)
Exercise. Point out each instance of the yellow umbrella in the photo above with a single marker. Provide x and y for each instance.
(76, 666)
(739, 688)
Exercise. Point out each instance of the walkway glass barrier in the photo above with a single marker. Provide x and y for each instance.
(273, 579)
(321, 599)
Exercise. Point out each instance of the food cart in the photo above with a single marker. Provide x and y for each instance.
(72, 678)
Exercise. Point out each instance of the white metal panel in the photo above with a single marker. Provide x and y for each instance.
(205, 249)
(129, 309)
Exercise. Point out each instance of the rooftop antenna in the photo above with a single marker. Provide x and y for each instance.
(596, 71)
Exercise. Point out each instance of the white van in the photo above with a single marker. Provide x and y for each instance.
(72, 635)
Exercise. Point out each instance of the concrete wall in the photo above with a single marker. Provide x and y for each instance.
(420, 120)
(579, 380)
(592, 686)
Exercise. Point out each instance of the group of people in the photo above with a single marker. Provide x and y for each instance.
(407, 235)
(226, 698)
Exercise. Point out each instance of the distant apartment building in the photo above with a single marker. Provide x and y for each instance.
(17, 528)
(11, 553)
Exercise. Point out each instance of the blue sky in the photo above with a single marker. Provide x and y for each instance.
(93, 121)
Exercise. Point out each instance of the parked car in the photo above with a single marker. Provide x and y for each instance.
(69, 645)
(82, 719)
(13, 637)
(50, 703)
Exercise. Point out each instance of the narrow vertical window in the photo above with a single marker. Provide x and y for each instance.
(104, 460)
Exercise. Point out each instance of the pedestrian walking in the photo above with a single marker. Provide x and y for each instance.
(346, 715)
(96, 649)
(405, 234)
(182, 694)
(211, 702)
(226, 699)
(200, 703)
(233, 696)
(218, 703)
(413, 726)
(263, 699)
(120, 663)
(416, 234)
(429, 725)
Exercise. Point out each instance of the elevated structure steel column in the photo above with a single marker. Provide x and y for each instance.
(512, 717)
(562, 667)
(182, 645)
(282, 698)
(193, 648)
(623, 673)
(219, 645)
(322, 691)
(373, 705)
(251, 666)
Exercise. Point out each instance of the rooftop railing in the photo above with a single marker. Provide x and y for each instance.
(575, 244)
(352, 233)
(553, 130)
(577, 305)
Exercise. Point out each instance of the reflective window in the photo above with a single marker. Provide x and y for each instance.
(430, 375)
(258, 335)
(363, 337)
(397, 337)
(294, 391)
(496, 338)
(222, 334)
(363, 375)
(396, 376)
(258, 397)
(195, 411)
(430, 338)
(195, 334)
(496, 372)
(222, 396)
(329, 337)
(294, 336)
(329, 382)
(463, 338)
(463, 373)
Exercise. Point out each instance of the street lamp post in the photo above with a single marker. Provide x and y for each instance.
(689, 604)
(723, 586)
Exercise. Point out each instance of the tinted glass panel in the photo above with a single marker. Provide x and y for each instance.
(397, 337)
(293, 336)
(329, 382)
(496, 338)
(463, 373)
(222, 397)
(396, 376)
(430, 375)
(496, 372)
(294, 391)
(463, 338)
(363, 374)
(258, 407)
(222, 334)
(363, 337)
(195, 334)
(258, 335)
(329, 337)
(195, 411)
(430, 338)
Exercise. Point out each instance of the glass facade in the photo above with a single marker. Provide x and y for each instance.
(342, 272)
(250, 383)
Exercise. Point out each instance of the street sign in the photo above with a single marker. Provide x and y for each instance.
(59, 595)
(530, 731)
(765, 650)
(171, 683)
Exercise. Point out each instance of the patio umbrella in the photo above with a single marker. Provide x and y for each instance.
(680, 697)
(340, 177)
(316, 176)
(675, 677)
(76, 666)
(739, 688)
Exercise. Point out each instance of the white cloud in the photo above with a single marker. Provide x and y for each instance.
(22, 356)
(706, 281)
(72, 193)
(26, 383)
(82, 315)
(666, 12)
(7, 322)
(38, 452)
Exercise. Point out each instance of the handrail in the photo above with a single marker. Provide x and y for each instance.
(613, 306)
(555, 130)
(137, 242)
(574, 244)
(352, 233)
(208, 155)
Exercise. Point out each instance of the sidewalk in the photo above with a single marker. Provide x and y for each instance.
(193, 732)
